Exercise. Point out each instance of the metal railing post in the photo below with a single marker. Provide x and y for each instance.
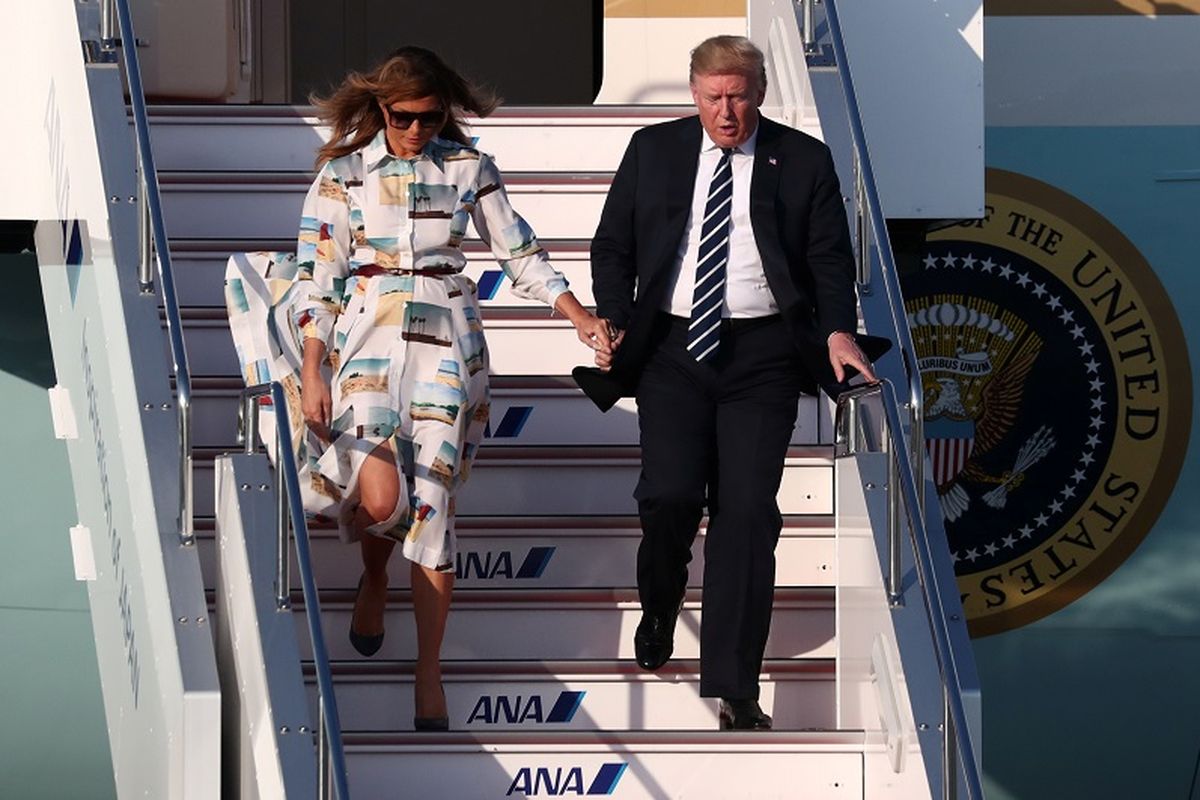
(949, 751)
(843, 422)
(861, 234)
(917, 436)
(895, 590)
(248, 417)
(145, 236)
(810, 25)
(187, 499)
(108, 24)
(853, 425)
(283, 579)
(247, 433)
(323, 776)
(248, 424)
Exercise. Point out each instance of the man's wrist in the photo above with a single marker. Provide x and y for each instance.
(829, 338)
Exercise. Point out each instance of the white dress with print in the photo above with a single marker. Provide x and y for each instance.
(407, 358)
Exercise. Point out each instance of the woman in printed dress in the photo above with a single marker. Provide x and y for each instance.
(384, 309)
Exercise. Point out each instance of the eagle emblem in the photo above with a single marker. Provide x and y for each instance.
(976, 360)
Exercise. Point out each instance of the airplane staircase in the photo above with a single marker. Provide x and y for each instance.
(866, 675)
(540, 632)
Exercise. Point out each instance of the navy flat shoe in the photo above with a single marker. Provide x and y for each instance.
(431, 723)
(366, 645)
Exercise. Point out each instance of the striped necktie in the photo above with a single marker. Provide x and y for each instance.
(704, 328)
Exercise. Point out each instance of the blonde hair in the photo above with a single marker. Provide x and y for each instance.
(728, 55)
(352, 112)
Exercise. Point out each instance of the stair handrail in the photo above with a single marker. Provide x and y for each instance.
(153, 242)
(331, 755)
(872, 235)
(903, 504)
(907, 463)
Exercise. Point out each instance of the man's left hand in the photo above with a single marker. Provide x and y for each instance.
(604, 358)
(844, 352)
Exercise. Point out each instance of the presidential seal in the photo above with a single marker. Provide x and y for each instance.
(1057, 398)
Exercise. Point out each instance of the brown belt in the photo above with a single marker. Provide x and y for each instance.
(371, 270)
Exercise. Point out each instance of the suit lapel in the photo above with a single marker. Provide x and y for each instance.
(764, 190)
(680, 167)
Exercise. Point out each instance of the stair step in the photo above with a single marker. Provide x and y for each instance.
(549, 481)
(211, 353)
(287, 138)
(200, 274)
(816, 765)
(562, 553)
(561, 625)
(268, 206)
(573, 695)
(521, 416)
(558, 351)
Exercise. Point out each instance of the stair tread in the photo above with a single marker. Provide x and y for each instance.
(306, 114)
(500, 383)
(532, 316)
(818, 454)
(581, 741)
(581, 525)
(217, 179)
(453, 670)
(342, 599)
(240, 245)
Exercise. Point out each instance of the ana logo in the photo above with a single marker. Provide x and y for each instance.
(517, 710)
(562, 781)
(1057, 398)
(511, 423)
(489, 283)
(492, 564)
(73, 254)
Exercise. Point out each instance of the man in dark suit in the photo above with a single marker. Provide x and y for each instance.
(723, 264)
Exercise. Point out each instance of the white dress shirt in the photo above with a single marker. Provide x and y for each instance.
(746, 290)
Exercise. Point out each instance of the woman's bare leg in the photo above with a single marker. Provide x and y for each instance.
(431, 603)
(379, 488)
(379, 492)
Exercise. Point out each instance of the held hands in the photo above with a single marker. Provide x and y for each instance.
(602, 337)
(843, 352)
(604, 359)
(593, 332)
(596, 333)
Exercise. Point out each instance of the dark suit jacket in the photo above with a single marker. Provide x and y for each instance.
(799, 222)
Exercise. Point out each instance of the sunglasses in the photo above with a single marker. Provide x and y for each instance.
(403, 120)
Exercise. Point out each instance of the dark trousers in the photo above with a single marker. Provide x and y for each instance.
(716, 435)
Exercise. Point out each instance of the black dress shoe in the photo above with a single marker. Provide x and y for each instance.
(654, 640)
(367, 645)
(743, 715)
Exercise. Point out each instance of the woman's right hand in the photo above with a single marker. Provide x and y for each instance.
(316, 403)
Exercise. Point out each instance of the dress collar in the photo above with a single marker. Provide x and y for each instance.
(375, 154)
